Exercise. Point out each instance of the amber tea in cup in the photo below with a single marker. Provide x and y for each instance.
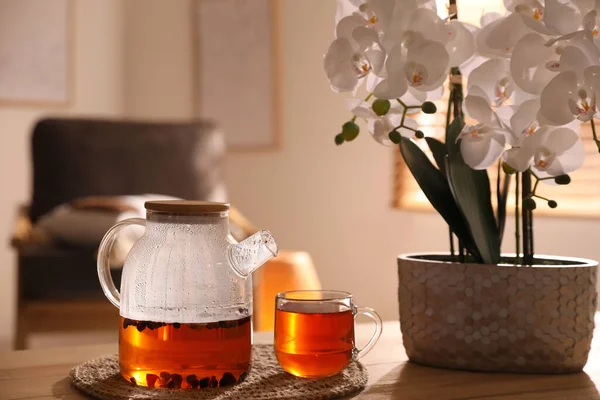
(314, 332)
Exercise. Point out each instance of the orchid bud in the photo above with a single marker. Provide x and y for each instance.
(529, 204)
(339, 139)
(395, 137)
(428, 107)
(552, 204)
(562, 180)
(381, 106)
(419, 134)
(350, 131)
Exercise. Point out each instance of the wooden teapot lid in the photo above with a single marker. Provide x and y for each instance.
(185, 207)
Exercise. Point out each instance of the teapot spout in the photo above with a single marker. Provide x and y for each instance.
(248, 255)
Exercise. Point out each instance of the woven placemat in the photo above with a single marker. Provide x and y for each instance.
(100, 379)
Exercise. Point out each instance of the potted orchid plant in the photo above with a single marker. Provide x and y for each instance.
(533, 76)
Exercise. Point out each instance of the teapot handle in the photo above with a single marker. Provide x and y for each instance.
(108, 286)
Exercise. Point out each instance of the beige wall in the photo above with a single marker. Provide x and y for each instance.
(333, 202)
(98, 85)
(158, 60)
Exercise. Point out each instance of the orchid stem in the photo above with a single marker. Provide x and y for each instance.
(408, 128)
(540, 197)
(455, 105)
(517, 220)
(535, 186)
(527, 216)
(406, 106)
(369, 97)
(452, 252)
(402, 122)
(449, 109)
(594, 133)
(537, 177)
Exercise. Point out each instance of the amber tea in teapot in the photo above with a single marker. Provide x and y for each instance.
(189, 355)
(186, 296)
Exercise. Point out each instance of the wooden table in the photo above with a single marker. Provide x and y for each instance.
(42, 374)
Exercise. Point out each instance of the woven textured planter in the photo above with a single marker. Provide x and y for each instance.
(497, 318)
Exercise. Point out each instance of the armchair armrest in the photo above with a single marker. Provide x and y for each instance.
(21, 230)
(24, 234)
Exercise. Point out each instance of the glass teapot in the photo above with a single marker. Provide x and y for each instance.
(186, 296)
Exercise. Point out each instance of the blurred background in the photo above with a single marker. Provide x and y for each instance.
(140, 59)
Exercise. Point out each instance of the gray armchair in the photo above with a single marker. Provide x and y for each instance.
(74, 158)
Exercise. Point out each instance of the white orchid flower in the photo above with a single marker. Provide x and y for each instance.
(354, 54)
(461, 42)
(427, 65)
(415, 43)
(552, 17)
(568, 97)
(560, 17)
(453, 34)
(517, 122)
(533, 64)
(499, 36)
(477, 106)
(398, 25)
(380, 126)
(549, 150)
(481, 145)
(583, 25)
(428, 24)
(523, 121)
(395, 84)
(416, 62)
(532, 12)
(374, 13)
(494, 79)
(591, 24)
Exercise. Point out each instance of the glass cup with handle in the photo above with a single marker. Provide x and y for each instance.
(314, 332)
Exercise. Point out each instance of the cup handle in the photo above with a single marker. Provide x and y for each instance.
(108, 286)
(369, 312)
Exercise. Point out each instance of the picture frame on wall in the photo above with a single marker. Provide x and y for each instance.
(35, 52)
(237, 70)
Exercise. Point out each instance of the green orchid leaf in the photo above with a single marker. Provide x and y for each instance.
(471, 191)
(438, 149)
(436, 189)
(452, 134)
